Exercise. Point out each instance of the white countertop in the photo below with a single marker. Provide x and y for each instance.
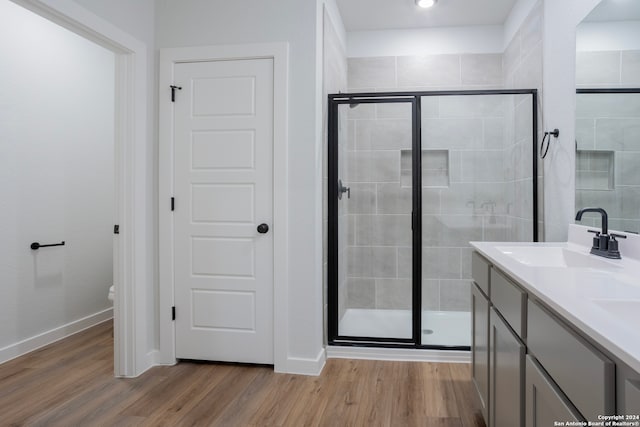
(574, 292)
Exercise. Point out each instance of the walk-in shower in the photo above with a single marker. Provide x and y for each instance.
(413, 177)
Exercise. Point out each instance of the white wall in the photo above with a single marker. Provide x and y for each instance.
(427, 41)
(207, 22)
(137, 18)
(558, 106)
(56, 175)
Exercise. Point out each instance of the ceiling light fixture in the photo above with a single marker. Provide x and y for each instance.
(425, 3)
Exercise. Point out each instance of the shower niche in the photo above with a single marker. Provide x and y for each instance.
(413, 177)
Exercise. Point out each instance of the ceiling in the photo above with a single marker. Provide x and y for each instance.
(615, 10)
(361, 15)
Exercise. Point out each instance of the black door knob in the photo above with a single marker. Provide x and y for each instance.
(263, 228)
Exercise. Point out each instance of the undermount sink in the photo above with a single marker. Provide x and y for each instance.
(628, 310)
(546, 256)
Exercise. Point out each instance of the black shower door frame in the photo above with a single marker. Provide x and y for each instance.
(414, 98)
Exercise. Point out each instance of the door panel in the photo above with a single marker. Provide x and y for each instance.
(223, 154)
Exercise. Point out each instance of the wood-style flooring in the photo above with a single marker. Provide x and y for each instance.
(71, 383)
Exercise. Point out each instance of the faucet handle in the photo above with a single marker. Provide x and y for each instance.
(620, 236)
(596, 232)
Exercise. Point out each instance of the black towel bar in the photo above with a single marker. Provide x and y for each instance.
(36, 245)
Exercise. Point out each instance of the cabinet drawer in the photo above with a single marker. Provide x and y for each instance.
(545, 404)
(510, 300)
(584, 374)
(632, 397)
(480, 272)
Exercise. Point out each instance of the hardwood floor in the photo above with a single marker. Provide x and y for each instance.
(70, 383)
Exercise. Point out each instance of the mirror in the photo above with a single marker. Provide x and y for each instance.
(608, 114)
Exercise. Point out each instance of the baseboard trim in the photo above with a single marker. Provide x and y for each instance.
(398, 354)
(301, 366)
(30, 344)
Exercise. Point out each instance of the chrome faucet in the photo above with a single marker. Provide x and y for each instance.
(604, 244)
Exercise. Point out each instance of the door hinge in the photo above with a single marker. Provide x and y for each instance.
(116, 229)
(173, 92)
(173, 313)
(173, 204)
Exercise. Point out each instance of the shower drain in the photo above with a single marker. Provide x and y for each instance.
(427, 331)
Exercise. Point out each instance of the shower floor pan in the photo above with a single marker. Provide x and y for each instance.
(445, 328)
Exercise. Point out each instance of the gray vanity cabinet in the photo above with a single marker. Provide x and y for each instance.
(544, 403)
(540, 368)
(506, 370)
(480, 346)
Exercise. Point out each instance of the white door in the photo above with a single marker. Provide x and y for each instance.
(223, 151)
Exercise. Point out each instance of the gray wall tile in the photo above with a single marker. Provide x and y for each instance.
(372, 166)
(597, 68)
(383, 230)
(618, 134)
(482, 166)
(371, 72)
(371, 261)
(473, 106)
(392, 199)
(384, 134)
(361, 293)
(393, 294)
(362, 200)
(630, 74)
(585, 133)
(455, 295)
(627, 169)
(452, 133)
(607, 105)
(481, 69)
(397, 110)
(429, 70)
(405, 263)
(441, 263)
(430, 294)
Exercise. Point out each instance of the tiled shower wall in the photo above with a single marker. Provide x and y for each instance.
(608, 138)
(477, 169)
(523, 69)
(463, 194)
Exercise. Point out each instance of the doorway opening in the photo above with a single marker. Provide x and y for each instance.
(132, 354)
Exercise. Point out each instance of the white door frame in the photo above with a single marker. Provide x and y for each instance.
(279, 52)
(131, 349)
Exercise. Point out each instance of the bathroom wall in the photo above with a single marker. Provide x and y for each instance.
(137, 18)
(608, 137)
(560, 19)
(201, 23)
(334, 81)
(425, 41)
(522, 67)
(56, 178)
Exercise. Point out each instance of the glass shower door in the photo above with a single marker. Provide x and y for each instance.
(374, 204)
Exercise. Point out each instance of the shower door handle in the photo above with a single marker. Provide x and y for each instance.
(342, 189)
